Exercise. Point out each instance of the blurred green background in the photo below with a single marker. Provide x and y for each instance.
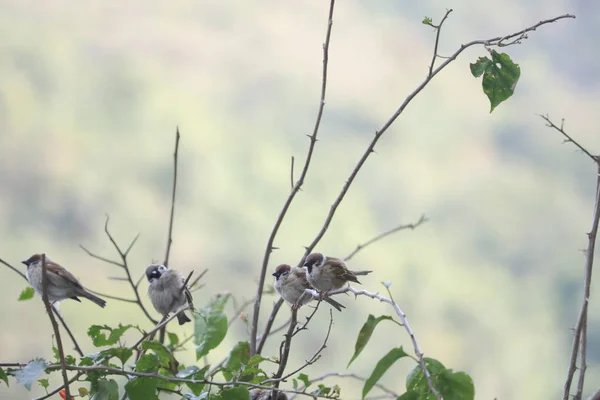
(91, 93)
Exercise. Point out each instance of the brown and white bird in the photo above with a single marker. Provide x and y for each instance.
(262, 394)
(166, 291)
(328, 273)
(290, 283)
(61, 283)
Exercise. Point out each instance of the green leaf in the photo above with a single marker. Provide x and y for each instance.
(3, 376)
(70, 360)
(427, 21)
(500, 77)
(107, 390)
(239, 355)
(44, 383)
(365, 334)
(147, 363)
(196, 373)
(209, 332)
(256, 360)
(304, 379)
(26, 294)
(30, 373)
(142, 389)
(409, 396)
(456, 386)
(416, 381)
(237, 393)
(382, 366)
(97, 333)
(164, 354)
(173, 340)
(122, 353)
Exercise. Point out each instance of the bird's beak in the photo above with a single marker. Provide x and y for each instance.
(25, 262)
(274, 274)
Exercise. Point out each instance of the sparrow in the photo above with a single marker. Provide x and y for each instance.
(61, 283)
(290, 283)
(262, 394)
(166, 291)
(329, 273)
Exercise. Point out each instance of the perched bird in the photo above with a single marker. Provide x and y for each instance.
(328, 273)
(166, 291)
(262, 394)
(290, 284)
(61, 283)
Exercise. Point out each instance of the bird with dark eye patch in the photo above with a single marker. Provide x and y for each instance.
(61, 283)
(329, 273)
(290, 283)
(167, 292)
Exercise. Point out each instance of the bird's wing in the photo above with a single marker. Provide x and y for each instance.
(56, 271)
(340, 270)
(300, 275)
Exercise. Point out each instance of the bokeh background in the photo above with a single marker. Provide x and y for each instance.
(91, 93)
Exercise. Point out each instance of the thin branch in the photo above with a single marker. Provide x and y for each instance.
(389, 392)
(580, 338)
(371, 147)
(313, 359)
(295, 189)
(569, 139)
(108, 296)
(438, 29)
(49, 310)
(64, 324)
(412, 226)
(403, 320)
(175, 162)
(123, 264)
(308, 319)
(14, 269)
(285, 350)
(270, 321)
(292, 174)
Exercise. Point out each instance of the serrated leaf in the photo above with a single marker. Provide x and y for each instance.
(410, 395)
(70, 360)
(44, 383)
(167, 360)
(106, 390)
(456, 385)
(382, 366)
(147, 363)
(427, 21)
(365, 334)
(98, 334)
(500, 77)
(30, 373)
(237, 393)
(209, 332)
(304, 378)
(26, 294)
(416, 381)
(122, 353)
(239, 355)
(142, 389)
(3, 376)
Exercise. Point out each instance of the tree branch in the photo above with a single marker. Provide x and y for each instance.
(438, 29)
(49, 310)
(270, 321)
(175, 162)
(496, 41)
(14, 269)
(389, 392)
(569, 139)
(295, 189)
(412, 226)
(64, 324)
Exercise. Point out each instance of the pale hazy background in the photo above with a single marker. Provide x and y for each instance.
(91, 93)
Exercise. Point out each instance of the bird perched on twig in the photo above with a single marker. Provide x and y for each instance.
(262, 394)
(167, 291)
(328, 273)
(61, 283)
(290, 283)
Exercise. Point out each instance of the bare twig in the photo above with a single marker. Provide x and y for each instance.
(308, 319)
(414, 225)
(438, 29)
(403, 320)
(292, 174)
(295, 189)
(313, 359)
(123, 264)
(389, 392)
(580, 338)
(14, 269)
(108, 296)
(285, 350)
(64, 324)
(49, 310)
(569, 139)
(175, 162)
(371, 147)
(270, 321)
